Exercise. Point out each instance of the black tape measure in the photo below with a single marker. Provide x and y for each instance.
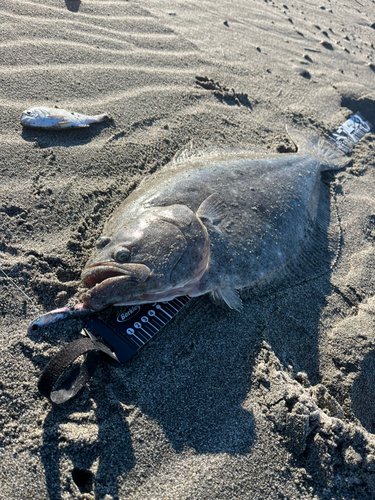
(129, 328)
(115, 336)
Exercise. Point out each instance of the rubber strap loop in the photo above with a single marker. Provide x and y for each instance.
(61, 361)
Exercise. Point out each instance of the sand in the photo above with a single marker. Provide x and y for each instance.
(277, 402)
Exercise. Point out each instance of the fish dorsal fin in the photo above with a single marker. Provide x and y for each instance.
(228, 295)
(192, 152)
(216, 152)
(302, 140)
(184, 154)
(212, 209)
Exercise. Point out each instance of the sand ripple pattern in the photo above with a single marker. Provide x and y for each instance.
(208, 410)
(104, 49)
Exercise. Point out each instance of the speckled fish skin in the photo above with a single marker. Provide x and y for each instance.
(215, 224)
(54, 118)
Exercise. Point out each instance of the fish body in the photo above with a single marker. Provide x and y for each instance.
(209, 224)
(55, 316)
(54, 118)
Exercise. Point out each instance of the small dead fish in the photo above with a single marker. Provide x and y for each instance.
(54, 118)
(57, 315)
(213, 224)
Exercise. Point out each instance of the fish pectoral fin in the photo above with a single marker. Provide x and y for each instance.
(228, 295)
(212, 209)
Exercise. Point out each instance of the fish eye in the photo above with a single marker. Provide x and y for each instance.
(29, 113)
(122, 255)
(102, 241)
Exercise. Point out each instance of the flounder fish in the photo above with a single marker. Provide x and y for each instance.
(210, 224)
(54, 118)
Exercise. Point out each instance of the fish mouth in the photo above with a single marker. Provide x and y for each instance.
(109, 281)
(113, 284)
(116, 285)
(102, 272)
(25, 120)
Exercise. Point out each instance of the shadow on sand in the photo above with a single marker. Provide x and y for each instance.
(73, 5)
(190, 381)
(68, 137)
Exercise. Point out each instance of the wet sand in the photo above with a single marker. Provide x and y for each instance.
(276, 402)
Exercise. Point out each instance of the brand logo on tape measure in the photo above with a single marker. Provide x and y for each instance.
(128, 314)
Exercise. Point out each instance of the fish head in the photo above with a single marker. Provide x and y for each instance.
(160, 254)
(32, 117)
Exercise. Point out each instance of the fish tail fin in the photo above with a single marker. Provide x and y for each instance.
(332, 158)
(96, 119)
(102, 118)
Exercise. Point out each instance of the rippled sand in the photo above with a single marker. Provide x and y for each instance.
(275, 402)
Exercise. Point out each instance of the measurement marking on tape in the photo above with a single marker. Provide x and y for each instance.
(152, 313)
(139, 327)
(134, 326)
(350, 132)
(144, 319)
(172, 307)
(158, 306)
(130, 331)
(181, 301)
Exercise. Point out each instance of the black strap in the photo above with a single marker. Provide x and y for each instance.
(61, 362)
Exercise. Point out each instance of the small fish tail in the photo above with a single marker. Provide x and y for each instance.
(102, 118)
(89, 120)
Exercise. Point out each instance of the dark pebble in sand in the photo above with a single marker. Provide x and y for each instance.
(371, 66)
(327, 45)
(305, 74)
(226, 24)
(372, 26)
(307, 57)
